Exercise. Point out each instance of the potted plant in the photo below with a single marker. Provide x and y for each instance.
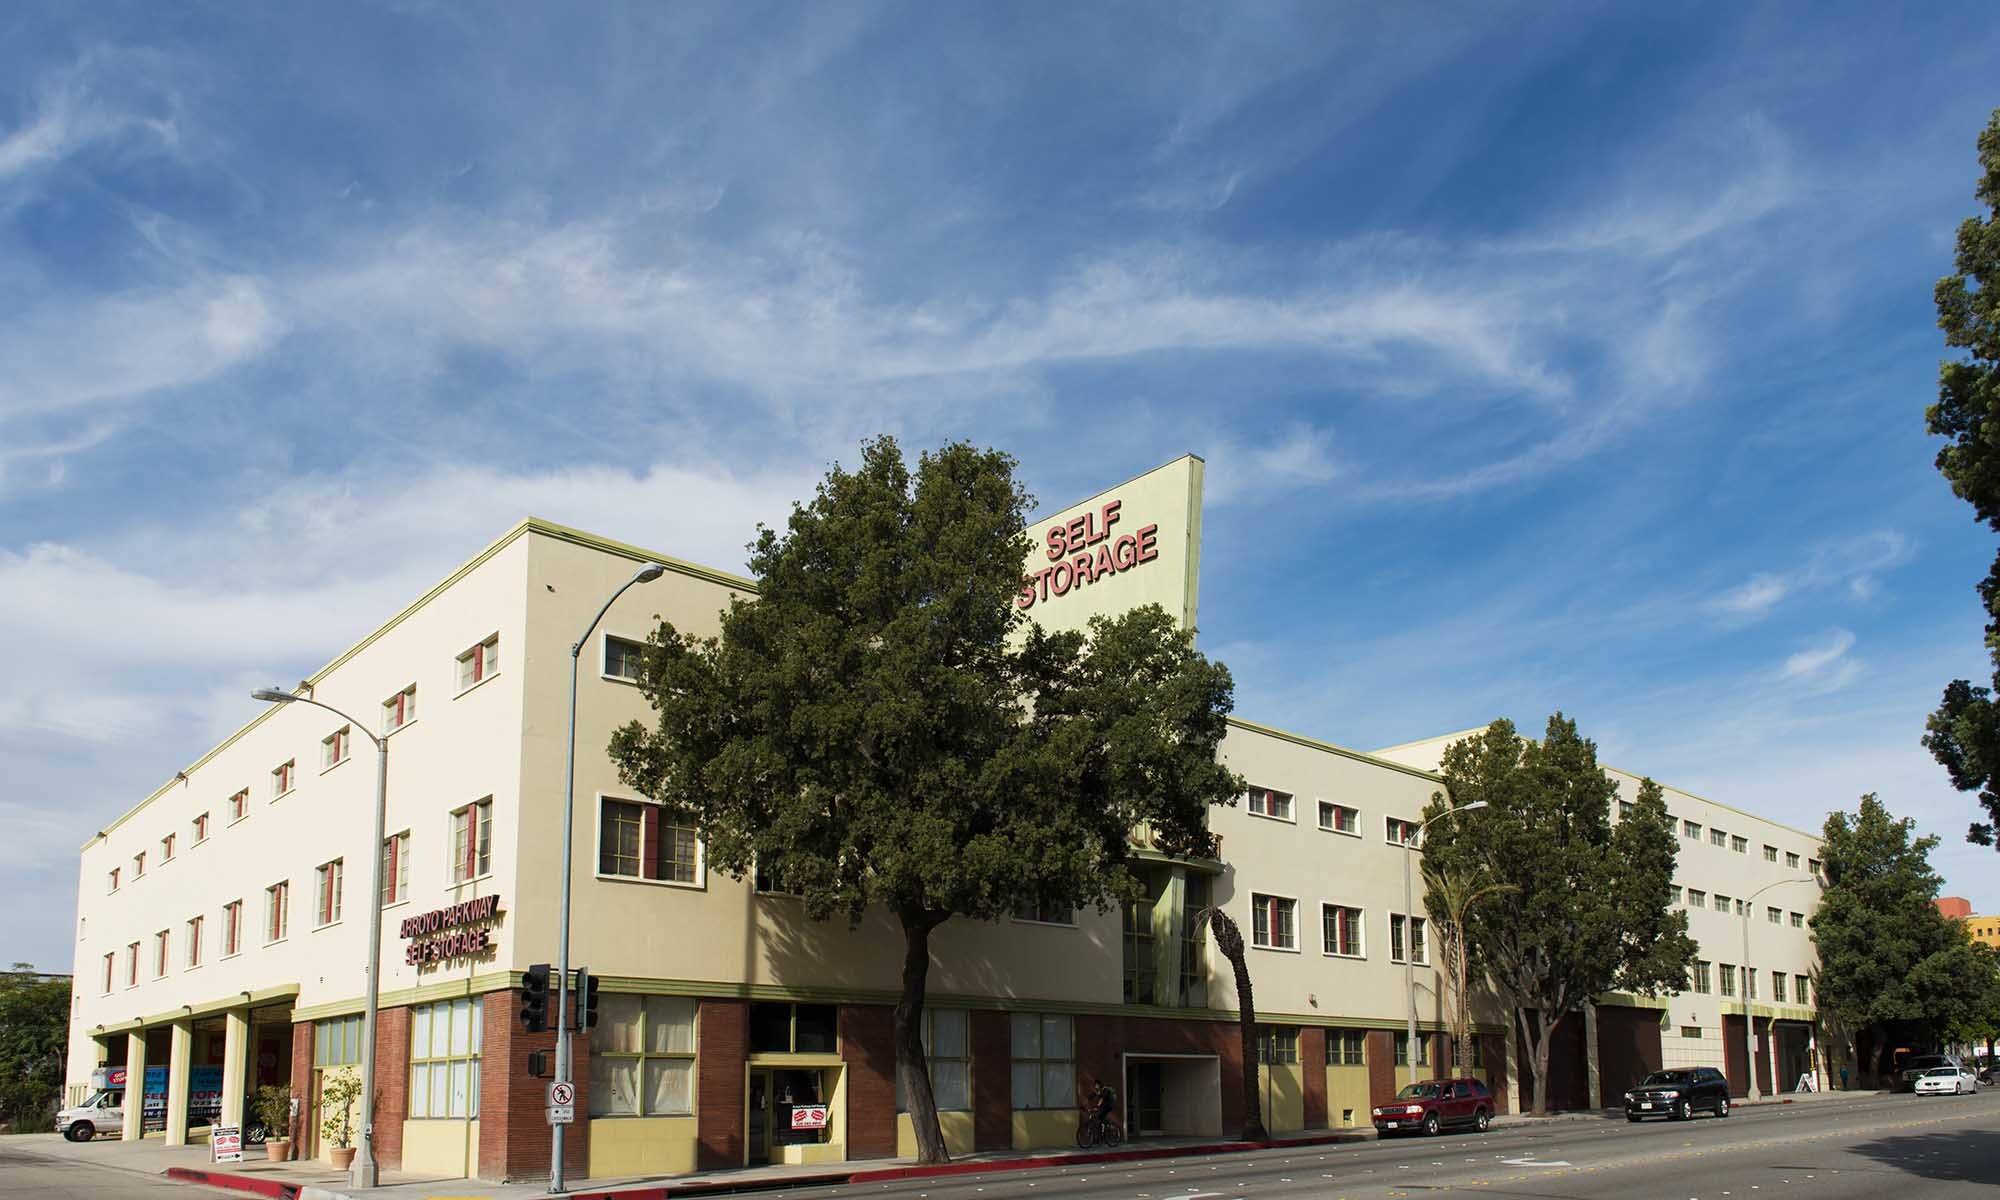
(336, 1098)
(274, 1109)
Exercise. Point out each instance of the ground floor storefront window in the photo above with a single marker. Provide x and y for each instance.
(642, 1057)
(444, 1058)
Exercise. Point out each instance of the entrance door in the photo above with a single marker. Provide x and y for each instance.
(760, 1117)
(1147, 1091)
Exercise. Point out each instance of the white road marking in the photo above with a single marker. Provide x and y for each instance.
(1531, 1162)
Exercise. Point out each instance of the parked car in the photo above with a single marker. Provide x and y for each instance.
(1954, 1081)
(1678, 1094)
(1433, 1105)
(1919, 1065)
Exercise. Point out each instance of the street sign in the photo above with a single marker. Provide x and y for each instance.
(562, 1103)
(809, 1116)
(225, 1143)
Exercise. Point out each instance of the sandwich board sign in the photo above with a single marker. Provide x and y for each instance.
(225, 1143)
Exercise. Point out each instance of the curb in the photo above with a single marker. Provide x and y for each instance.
(235, 1183)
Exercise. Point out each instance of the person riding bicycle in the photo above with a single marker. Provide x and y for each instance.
(1102, 1101)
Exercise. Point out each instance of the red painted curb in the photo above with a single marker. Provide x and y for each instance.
(235, 1183)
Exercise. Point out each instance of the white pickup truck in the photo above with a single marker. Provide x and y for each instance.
(104, 1112)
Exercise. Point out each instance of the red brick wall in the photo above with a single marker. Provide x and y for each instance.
(1312, 1063)
(992, 1080)
(1100, 1042)
(1493, 1049)
(1569, 1079)
(514, 1139)
(868, 1047)
(1381, 1059)
(392, 1084)
(1732, 1055)
(719, 1085)
(302, 1069)
(1628, 1047)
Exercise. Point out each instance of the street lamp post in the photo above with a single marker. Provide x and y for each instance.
(1749, 1010)
(364, 1172)
(646, 574)
(1410, 929)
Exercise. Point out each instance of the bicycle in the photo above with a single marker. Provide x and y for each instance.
(1093, 1130)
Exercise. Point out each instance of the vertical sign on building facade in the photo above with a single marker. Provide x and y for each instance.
(1133, 544)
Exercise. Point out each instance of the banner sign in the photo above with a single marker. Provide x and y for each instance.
(809, 1116)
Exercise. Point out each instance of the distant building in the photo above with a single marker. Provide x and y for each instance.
(1954, 906)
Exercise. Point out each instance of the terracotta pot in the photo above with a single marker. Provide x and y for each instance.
(277, 1149)
(343, 1157)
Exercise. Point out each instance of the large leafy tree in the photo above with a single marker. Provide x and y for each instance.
(1964, 732)
(1583, 905)
(1889, 962)
(34, 1035)
(881, 728)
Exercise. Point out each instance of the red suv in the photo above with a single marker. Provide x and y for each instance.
(1434, 1105)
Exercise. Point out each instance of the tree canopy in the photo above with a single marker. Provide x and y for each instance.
(1888, 960)
(882, 727)
(34, 1038)
(1583, 905)
(1964, 732)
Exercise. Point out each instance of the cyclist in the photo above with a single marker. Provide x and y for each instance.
(1102, 1101)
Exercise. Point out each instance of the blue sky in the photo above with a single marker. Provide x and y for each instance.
(1560, 357)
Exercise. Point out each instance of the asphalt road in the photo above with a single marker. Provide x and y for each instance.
(26, 1173)
(1895, 1146)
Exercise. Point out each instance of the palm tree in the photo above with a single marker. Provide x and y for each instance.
(1229, 939)
(1450, 899)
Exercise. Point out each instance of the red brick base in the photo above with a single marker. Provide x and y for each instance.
(868, 1046)
(719, 1084)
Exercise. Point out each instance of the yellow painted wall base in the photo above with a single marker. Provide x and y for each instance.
(1044, 1129)
(441, 1148)
(1284, 1093)
(1347, 1097)
(801, 1154)
(641, 1146)
(957, 1128)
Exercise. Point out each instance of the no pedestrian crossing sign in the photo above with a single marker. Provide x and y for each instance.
(562, 1103)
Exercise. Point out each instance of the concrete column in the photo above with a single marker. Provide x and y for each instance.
(180, 1058)
(1513, 1056)
(235, 1060)
(1168, 926)
(1595, 1093)
(135, 1085)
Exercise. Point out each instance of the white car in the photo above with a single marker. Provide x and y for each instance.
(1955, 1081)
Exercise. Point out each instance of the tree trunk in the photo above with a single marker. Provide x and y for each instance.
(1246, 1018)
(1461, 1058)
(913, 1074)
(1539, 1038)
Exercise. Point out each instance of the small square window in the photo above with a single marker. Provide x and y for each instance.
(333, 748)
(283, 777)
(1791, 860)
(1268, 802)
(1717, 838)
(1770, 854)
(480, 663)
(1697, 898)
(1274, 922)
(400, 709)
(1400, 832)
(1338, 818)
(1740, 845)
(623, 658)
(200, 828)
(1798, 920)
(167, 848)
(1691, 830)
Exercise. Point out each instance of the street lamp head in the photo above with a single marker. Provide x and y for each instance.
(1471, 806)
(649, 573)
(272, 696)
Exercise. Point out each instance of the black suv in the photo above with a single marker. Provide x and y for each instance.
(1679, 1094)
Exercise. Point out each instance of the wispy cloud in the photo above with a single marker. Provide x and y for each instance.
(1819, 661)
(1853, 564)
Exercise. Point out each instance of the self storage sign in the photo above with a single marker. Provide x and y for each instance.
(456, 931)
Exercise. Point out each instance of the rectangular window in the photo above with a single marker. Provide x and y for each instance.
(1697, 898)
(400, 709)
(472, 841)
(1674, 894)
(139, 865)
(1812, 867)
(1139, 968)
(107, 971)
(1770, 854)
(642, 1057)
(1799, 989)
(636, 841)
(1740, 845)
(1775, 916)
(1778, 987)
(1345, 1047)
(1721, 903)
(1791, 860)
(1047, 913)
(1278, 1045)
(328, 893)
(1798, 920)
(1625, 810)
(1274, 922)
(623, 658)
(1403, 1050)
(1690, 830)
(160, 954)
(1699, 971)
(480, 663)
(167, 848)
(200, 829)
(194, 942)
(131, 964)
(1728, 977)
(1400, 832)
(337, 1042)
(1044, 1074)
(1750, 982)
(277, 911)
(444, 1058)
(239, 806)
(1742, 908)
(1690, 1031)
(781, 1028)
(1717, 838)
(1194, 944)
(945, 1047)
(396, 869)
(1338, 818)
(1266, 802)
(1340, 930)
(283, 776)
(232, 928)
(333, 748)
(1419, 940)
(1478, 1052)
(112, 880)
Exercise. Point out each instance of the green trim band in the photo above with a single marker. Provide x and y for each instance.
(263, 996)
(451, 989)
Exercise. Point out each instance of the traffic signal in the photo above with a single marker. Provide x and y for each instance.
(586, 1001)
(535, 998)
